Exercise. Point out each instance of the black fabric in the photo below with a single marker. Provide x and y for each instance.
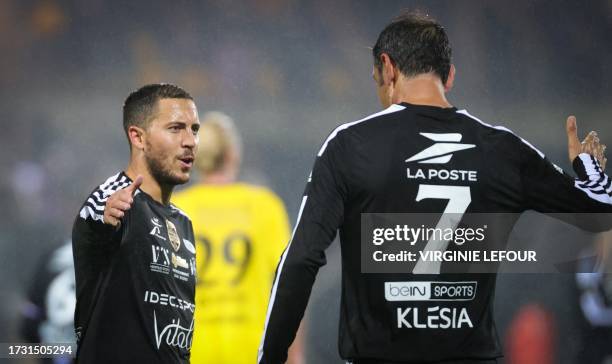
(364, 167)
(136, 286)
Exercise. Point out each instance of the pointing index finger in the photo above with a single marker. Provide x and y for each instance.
(135, 185)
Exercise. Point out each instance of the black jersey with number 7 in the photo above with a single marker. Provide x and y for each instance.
(415, 159)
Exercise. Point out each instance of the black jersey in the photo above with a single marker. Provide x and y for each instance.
(135, 286)
(414, 159)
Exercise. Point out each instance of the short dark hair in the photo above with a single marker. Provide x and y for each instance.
(417, 44)
(141, 103)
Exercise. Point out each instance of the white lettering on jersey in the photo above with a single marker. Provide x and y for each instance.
(173, 334)
(435, 318)
(442, 174)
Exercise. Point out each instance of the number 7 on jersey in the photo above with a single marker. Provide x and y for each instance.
(459, 198)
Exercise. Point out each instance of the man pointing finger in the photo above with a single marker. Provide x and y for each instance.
(119, 202)
(133, 250)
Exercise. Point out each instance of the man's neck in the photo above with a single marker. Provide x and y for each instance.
(421, 90)
(218, 178)
(150, 186)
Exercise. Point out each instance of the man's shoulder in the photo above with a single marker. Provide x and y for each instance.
(93, 207)
(185, 196)
(259, 195)
(188, 200)
(341, 131)
(148, 208)
(182, 214)
(499, 133)
(479, 123)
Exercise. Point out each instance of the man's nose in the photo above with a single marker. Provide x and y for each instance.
(189, 139)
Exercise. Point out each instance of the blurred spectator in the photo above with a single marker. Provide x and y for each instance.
(241, 231)
(531, 338)
(48, 313)
(594, 283)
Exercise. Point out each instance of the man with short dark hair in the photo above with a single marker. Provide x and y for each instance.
(134, 251)
(420, 155)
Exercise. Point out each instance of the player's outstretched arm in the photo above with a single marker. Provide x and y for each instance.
(585, 201)
(119, 202)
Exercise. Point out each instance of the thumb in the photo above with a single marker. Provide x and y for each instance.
(134, 186)
(573, 143)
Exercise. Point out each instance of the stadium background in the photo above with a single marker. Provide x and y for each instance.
(288, 72)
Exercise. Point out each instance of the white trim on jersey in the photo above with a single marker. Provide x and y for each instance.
(602, 197)
(466, 113)
(278, 274)
(390, 109)
(94, 207)
(598, 186)
(87, 211)
(591, 169)
(97, 206)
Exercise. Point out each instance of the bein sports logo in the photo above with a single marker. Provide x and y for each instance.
(442, 151)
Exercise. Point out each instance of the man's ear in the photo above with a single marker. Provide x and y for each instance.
(136, 136)
(389, 73)
(450, 81)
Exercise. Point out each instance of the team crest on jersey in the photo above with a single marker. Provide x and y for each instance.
(175, 241)
(442, 151)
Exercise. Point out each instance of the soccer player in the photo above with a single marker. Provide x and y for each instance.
(133, 250)
(241, 231)
(362, 168)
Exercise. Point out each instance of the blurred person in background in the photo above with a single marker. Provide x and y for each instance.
(133, 250)
(362, 168)
(531, 336)
(48, 313)
(241, 231)
(536, 331)
(594, 292)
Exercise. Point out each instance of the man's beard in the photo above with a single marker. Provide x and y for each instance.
(162, 175)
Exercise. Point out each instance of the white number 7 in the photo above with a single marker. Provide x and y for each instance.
(459, 198)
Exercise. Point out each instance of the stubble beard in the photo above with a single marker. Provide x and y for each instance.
(161, 174)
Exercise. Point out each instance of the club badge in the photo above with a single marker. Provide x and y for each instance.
(175, 241)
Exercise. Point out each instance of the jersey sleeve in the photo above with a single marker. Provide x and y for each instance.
(89, 226)
(321, 213)
(585, 201)
(92, 240)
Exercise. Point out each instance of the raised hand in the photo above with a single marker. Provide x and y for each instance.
(119, 202)
(590, 144)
